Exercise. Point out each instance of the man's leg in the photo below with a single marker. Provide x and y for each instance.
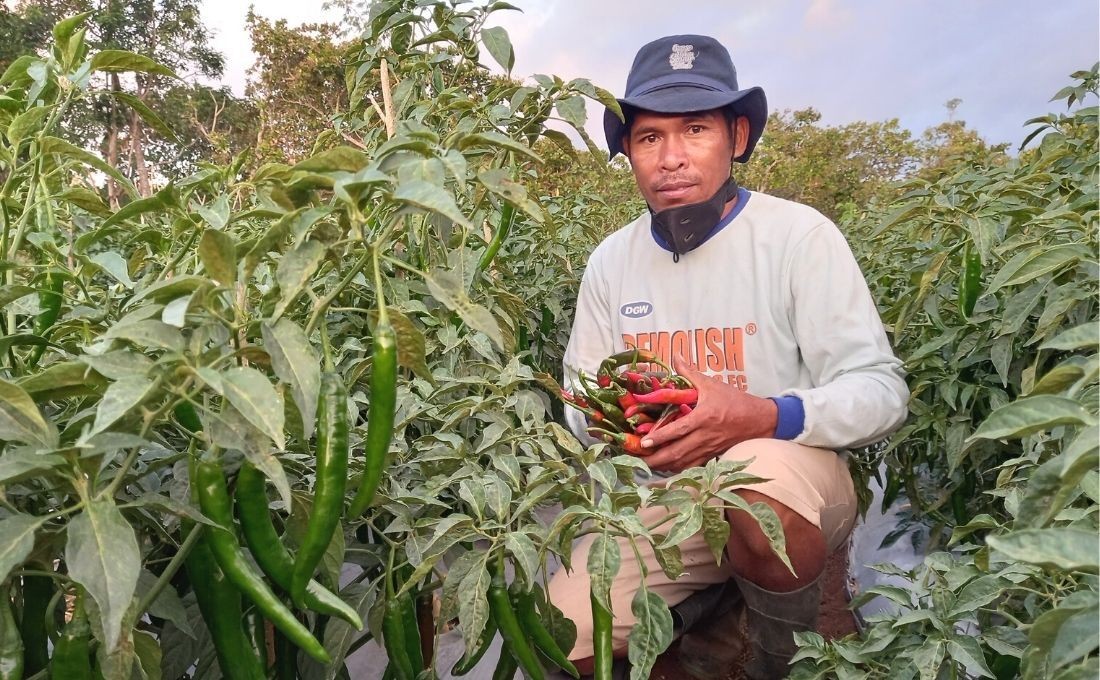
(569, 591)
(812, 494)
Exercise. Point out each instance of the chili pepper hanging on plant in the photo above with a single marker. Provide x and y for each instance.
(515, 640)
(37, 591)
(271, 555)
(71, 658)
(214, 501)
(49, 304)
(524, 604)
(395, 634)
(331, 481)
(507, 219)
(383, 404)
(484, 642)
(602, 650)
(970, 281)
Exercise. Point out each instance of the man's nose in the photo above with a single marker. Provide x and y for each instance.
(673, 153)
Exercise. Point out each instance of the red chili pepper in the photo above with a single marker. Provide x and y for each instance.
(630, 442)
(644, 428)
(656, 383)
(626, 401)
(603, 380)
(632, 410)
(638, 419)
(685, 409)
(669, 396)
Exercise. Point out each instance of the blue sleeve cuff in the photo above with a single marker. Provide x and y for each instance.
(791, 417)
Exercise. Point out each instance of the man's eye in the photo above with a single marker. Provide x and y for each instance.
(695, 129)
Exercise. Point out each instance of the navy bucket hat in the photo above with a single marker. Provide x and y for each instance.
(684, 73)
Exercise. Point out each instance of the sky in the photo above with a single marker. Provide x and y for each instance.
(871, 60)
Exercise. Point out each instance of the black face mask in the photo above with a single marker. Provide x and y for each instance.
(685, 227)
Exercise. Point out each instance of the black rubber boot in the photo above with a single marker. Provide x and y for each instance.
(771, 620)
(713, 641)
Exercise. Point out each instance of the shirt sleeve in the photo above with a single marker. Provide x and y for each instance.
(590, 340)
(859, 393)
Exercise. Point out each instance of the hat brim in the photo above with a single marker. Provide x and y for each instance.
(750, 103)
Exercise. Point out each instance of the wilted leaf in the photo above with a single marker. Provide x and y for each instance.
(102, 555)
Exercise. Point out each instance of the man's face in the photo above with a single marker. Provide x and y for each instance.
(683, 158)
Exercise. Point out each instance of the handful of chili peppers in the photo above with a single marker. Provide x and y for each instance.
(625, 402)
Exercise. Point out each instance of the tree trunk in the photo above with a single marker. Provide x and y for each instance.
(113, 190)
(138, 153)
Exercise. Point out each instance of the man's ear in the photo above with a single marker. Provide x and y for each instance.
(740, 135)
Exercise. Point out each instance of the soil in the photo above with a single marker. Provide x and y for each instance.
(835, 620)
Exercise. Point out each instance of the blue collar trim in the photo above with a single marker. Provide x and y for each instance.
(743, 196)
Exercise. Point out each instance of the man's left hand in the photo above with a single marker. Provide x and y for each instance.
(723, 416)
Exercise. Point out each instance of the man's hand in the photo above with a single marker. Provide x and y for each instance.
(724, 416)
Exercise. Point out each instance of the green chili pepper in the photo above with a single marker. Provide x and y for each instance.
(187, 417)
(413, 648)
(220, 605)
(507, 219)
(37, 591)
(49, 305)
(515, 641)
(524, 603)
(11, 642)
(484, 642)
(630, 357)
(602, 651)
(209, 480)
(271, 554)
(256, 632)
(970, 282)
(394, 629)
(383, 403)
(506, 665)
(331, 481)
(71, 658)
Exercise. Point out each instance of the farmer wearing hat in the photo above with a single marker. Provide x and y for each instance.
(760, 302)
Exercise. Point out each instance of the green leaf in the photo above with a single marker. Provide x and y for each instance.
(296, 364)
(338, 159)
(524, 553)
(16, 541)
(148, 333)
(102, 555)
(1061, 549)
(497, 140)
(432, 197)
(1085, 336)
(446, 287)
(121, 398)
(148, 653)
(928, 658)
(218, 252)
(651, 634)
(62, 148)
(495, 39)
(9, 294)
(20, 419)
(19, 464)
(716, 531)
(26, 124)
(687, 524)
(773, 529)
(976, 594)
(473, 605)
(112, 263)
(252, 395)
(147, 114)
(603, 564)
(296, 270)
(1032, 414)
(1034, 263)
(121, 60)
(572, 110)
(164, 198)
(968, 652)
(230, 430)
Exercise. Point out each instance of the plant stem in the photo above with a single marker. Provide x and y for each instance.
(322, 306)
(169, 572)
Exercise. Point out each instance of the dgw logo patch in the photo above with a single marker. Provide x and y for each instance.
(636, 310)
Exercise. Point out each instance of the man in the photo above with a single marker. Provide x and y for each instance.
(764, 298)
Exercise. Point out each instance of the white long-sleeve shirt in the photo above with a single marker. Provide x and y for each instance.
(773, 302)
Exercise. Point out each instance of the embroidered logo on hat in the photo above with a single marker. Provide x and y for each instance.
(682, 57)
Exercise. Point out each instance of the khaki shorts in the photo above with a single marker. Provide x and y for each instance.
(815, 483)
